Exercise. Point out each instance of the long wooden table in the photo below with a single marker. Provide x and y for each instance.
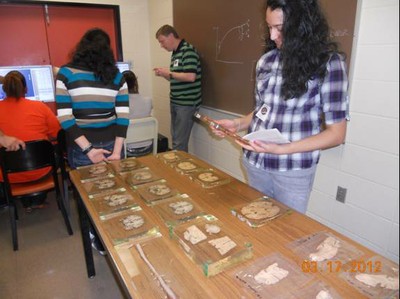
(184, 276)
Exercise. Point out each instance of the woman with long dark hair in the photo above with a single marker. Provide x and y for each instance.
(92, 102)
(301, 90)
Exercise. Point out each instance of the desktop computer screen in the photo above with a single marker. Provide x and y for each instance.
(39, 81)
(123, 66)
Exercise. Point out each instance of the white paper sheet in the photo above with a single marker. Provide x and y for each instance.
(267, 136)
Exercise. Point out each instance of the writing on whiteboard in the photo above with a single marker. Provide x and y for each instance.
(241, 31)
(339, 32)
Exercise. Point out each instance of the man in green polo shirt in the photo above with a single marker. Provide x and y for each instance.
(184, 75)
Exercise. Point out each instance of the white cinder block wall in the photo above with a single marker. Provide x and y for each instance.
(367, 165)
(160, 14)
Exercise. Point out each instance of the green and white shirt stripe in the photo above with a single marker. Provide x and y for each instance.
(186, 60)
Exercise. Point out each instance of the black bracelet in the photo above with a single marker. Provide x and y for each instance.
(87, 149)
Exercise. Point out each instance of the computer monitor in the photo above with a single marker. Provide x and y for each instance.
(39, 81)
(123, 66)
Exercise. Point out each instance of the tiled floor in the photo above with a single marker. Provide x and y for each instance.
(49, 262)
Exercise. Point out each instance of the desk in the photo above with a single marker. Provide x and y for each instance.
(185, 277)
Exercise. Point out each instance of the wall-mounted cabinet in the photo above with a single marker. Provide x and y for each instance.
(46, 32)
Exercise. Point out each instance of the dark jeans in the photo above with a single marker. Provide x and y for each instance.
(76, 158)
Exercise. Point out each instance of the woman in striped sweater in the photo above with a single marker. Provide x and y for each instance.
(92, 102)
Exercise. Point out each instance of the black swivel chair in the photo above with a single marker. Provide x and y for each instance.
(38, 154)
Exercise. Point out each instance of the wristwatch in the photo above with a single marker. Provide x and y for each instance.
(171, 76)
(87, 149)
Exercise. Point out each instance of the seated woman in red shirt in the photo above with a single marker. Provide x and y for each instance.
(26, 120)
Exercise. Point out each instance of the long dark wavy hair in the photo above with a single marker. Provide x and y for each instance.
(306, 47)
(93, 52)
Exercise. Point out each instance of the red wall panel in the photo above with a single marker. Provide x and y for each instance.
(66, 25)
(46, 34)
(24, 39)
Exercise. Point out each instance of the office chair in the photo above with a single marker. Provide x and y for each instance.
(141, 129)
(38, 154)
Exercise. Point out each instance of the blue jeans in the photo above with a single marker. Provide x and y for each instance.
(292, 187)
(182, 120)
(76, 158)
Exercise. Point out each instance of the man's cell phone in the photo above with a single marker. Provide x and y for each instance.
(211, 122)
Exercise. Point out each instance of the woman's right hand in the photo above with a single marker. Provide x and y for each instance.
(229, 124)
(97, 155)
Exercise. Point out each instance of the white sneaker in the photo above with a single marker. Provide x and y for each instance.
(102, 252)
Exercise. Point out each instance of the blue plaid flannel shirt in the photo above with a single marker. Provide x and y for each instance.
(297, 118)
